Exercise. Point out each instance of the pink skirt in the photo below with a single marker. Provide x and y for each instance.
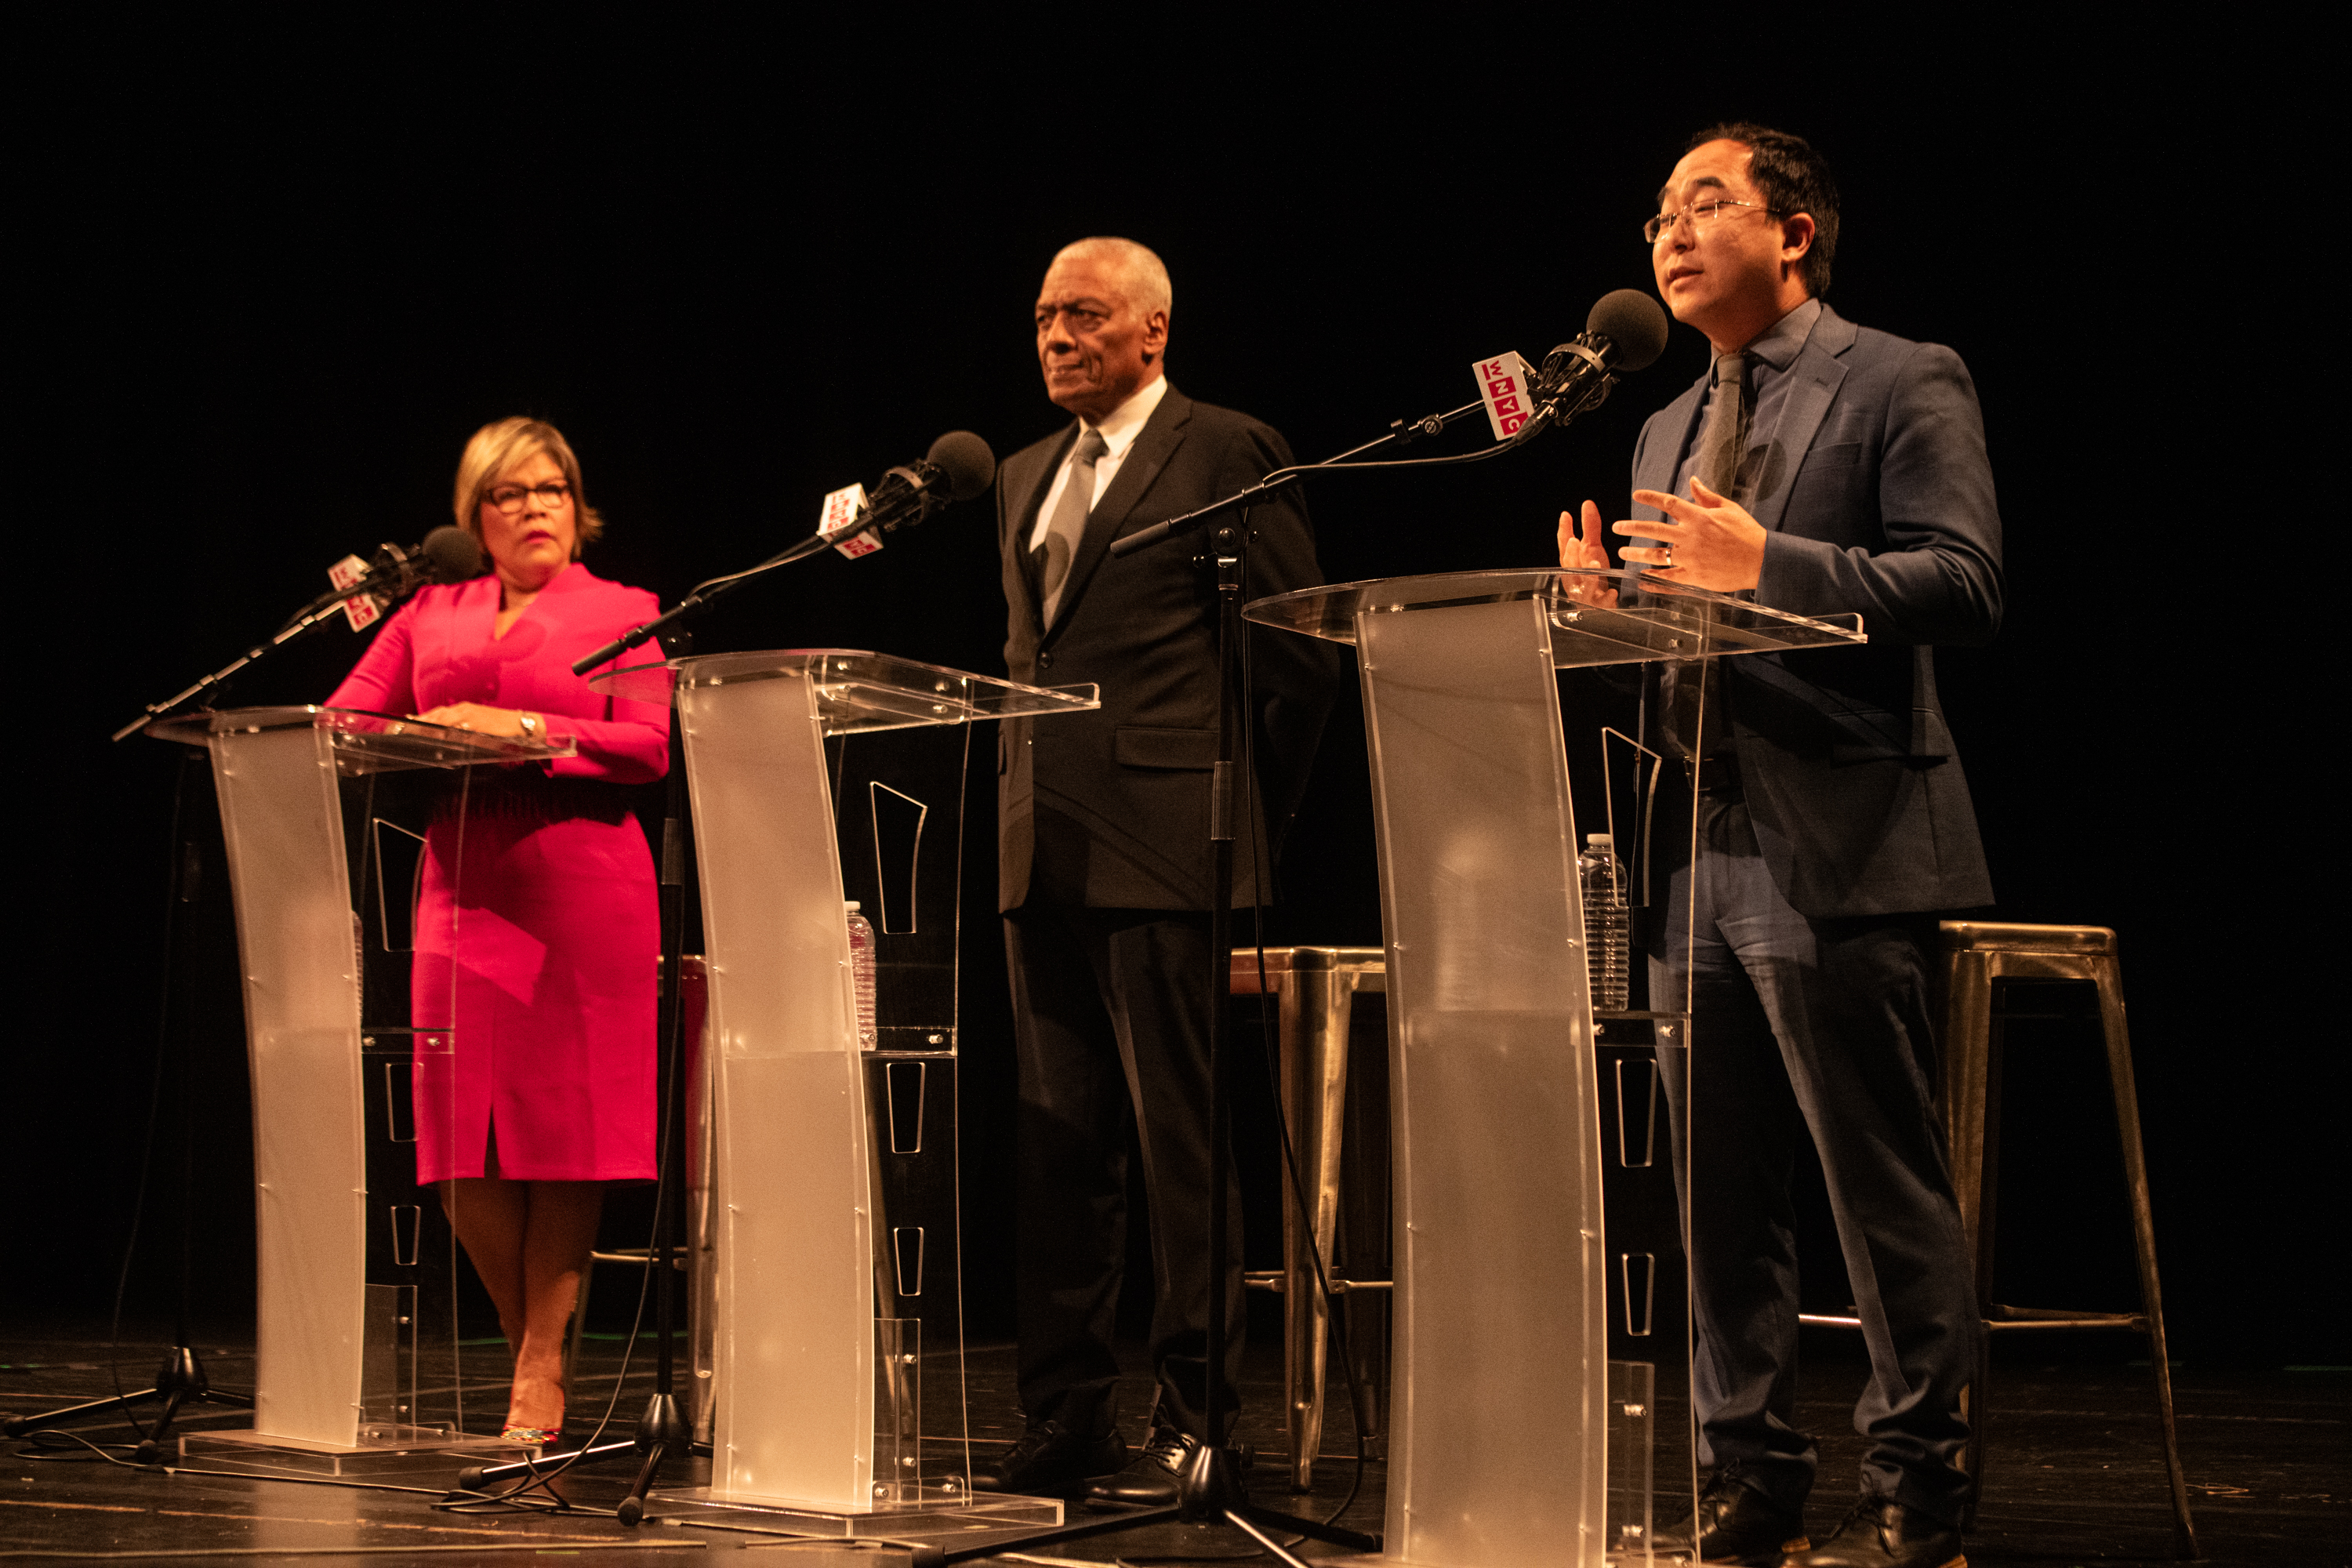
(538, 940)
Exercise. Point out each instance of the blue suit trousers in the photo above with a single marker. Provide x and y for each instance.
(1819, 1028)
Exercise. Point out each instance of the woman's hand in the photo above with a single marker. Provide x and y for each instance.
(482, 719)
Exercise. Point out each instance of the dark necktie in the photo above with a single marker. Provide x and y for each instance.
(1068, 527)
(1694, 696)
(1723, 439)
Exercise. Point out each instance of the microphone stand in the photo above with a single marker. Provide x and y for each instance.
(702, 593)
(1399, 432)
(180, 1378)
(661, 1430)
(1210, 1489)
(1574, 379)
(397, 580)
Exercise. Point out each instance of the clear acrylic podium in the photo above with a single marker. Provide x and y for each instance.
(1539, 1310)
(325, 812)
(819, 776)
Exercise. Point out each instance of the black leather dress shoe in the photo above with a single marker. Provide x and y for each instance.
(1153, 1477)
(1049, 1457)
(1737, 1524)
(1882, 1535)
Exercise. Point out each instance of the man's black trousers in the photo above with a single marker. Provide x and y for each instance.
(1110, 1012)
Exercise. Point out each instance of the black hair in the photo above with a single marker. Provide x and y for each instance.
(1793, 178)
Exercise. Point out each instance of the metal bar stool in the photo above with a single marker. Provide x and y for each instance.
(1315, 993)
(1981, 952)
(1977, 954)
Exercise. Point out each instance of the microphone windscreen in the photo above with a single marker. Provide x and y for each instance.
(452, 554)
(968, 462)
(1636, 326)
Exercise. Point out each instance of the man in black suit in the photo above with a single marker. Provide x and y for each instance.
(1826, 468)
(1103, 858)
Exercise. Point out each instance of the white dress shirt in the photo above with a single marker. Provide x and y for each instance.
(1118, 432)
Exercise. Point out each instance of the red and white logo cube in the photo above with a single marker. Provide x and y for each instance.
(840, 510)
(363, 611)
(1503, 383)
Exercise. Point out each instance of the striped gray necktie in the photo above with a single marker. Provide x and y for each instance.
(1060, 545)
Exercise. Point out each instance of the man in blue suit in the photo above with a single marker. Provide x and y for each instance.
(1824, 468)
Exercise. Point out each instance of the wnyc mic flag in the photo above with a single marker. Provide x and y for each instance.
(363, 611)
(1503, 383)
(840, 508)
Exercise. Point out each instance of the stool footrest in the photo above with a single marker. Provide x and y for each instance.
(2024, 1318)
(640, 1256)
(2000, 1317)
(1278, 1281)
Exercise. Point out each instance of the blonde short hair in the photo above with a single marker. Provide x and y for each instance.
(498, 450)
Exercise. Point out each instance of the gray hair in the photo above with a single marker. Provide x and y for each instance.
(1146, 274)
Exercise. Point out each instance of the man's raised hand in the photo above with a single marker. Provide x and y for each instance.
(1584, 550)
(1709, 541)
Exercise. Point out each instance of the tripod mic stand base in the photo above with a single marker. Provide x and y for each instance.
(1209, 1491)
(179, 1379)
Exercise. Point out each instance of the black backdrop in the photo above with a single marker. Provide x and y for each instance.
(267, 282)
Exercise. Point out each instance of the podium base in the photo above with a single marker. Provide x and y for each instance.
(391, 1450)
(930, 1512)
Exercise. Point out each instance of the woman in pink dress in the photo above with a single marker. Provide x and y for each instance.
(540, 959)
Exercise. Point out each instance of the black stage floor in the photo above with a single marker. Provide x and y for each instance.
(2076, 1475)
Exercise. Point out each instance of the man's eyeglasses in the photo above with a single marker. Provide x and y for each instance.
(508, 499)
(1699, 213)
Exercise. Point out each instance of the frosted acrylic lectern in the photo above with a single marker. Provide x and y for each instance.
(818, 778)
(1510, 1298)
(325, 812)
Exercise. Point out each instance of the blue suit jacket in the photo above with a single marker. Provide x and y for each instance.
(1877, 499)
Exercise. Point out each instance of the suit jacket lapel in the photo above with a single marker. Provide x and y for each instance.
(1814, 379)
(1154, 445)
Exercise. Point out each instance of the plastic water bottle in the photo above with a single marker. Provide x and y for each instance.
(1608, 934)
(861, 971)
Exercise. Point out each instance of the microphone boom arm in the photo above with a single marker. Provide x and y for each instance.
(886, 519)
(315, 615)
(1554, 407)
(1399, 432)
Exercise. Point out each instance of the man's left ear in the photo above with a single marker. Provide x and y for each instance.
(1796, 237)
(1155, 335)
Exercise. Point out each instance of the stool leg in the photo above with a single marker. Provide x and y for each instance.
(1317, 1008)
(1969, 1103)
(2127, 1093)
(1972, 1131)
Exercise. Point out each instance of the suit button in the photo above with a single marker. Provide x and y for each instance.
(1045, 661)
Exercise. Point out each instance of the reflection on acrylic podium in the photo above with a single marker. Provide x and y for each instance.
(1539, 1326)
(818, 777)
(325, 813)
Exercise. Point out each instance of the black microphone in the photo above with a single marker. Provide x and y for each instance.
(957, 467)
(449, 554)
(1625, 331)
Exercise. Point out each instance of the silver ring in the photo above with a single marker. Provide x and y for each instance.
(1669, 561)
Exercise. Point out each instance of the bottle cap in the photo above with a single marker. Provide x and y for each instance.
(1601, 841)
